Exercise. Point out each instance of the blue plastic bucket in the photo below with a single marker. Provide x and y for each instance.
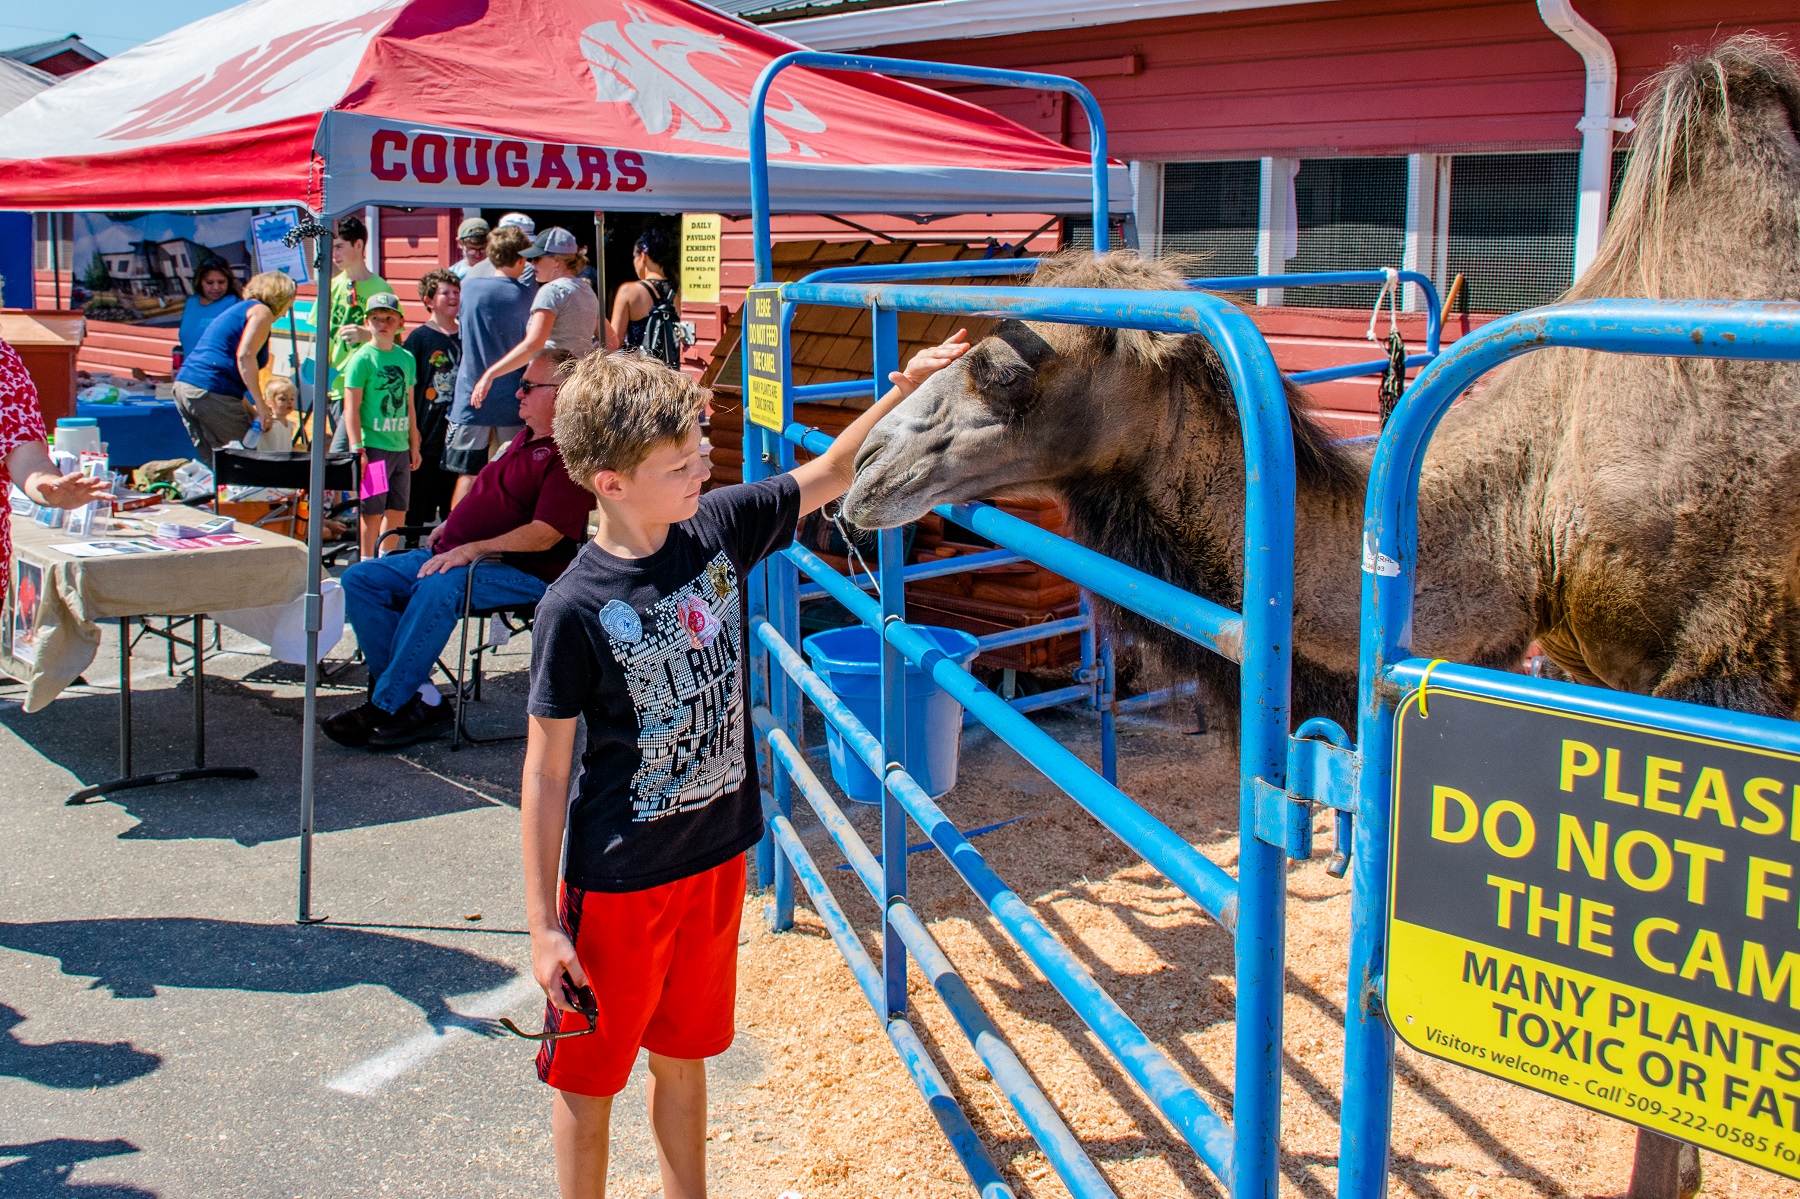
(849, 660)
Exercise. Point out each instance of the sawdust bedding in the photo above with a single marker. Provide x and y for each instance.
(837, 1116)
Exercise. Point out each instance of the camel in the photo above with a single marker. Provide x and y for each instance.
(1637, 517)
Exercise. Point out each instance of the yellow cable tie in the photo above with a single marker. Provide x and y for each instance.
(1424, 681)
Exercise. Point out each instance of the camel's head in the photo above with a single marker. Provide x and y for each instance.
(1028, 409)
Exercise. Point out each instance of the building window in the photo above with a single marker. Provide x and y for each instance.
(1209, 213)
(1512, 227)
(1351, 216)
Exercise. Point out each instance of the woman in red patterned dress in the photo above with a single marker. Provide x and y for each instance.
(25, 458)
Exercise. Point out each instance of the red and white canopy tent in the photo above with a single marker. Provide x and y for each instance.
(585, 104)
(578, 104)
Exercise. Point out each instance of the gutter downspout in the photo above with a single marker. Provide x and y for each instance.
(1598, 123)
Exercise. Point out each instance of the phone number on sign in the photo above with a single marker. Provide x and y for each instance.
(1683, 1118)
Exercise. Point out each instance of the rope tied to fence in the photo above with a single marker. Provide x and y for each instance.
(1393, 376)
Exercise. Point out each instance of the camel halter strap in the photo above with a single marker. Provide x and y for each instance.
(1393, 376)
(834, 512)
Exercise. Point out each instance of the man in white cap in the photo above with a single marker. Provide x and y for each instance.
(471, 236)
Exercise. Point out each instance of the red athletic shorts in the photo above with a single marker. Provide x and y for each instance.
(663, 966)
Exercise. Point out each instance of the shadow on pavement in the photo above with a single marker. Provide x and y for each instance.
(68, 1065)
(246, 727)
(133, 957)
(44, 1169)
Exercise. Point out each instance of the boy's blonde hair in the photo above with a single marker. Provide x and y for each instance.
(615, 409)
(282, 388)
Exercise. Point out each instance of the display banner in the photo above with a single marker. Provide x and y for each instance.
(700, 257)
(765, 360)
(1604, 912)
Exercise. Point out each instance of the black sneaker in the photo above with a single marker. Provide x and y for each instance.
(352, 726)
(414, 722)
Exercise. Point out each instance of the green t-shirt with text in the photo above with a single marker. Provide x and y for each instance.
(347, 308)
(386, 378)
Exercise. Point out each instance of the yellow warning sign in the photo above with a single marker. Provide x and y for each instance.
(765, 365)
(1602, 911)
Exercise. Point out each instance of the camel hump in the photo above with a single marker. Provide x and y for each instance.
(1714, 149)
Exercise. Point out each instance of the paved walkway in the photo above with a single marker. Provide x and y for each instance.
(165, 1027)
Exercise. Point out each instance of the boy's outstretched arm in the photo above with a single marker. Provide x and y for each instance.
(829, 475)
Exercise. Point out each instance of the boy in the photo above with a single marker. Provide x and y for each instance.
(379, 421)
(436, 347)
(352, 286)
(642, 636)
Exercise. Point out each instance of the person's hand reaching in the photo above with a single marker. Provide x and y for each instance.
(68, 491)
(930, 361)
(479, 392)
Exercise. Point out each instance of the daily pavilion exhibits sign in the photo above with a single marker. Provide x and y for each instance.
(1604, 912)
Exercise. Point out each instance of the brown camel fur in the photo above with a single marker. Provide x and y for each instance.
(1640, 517)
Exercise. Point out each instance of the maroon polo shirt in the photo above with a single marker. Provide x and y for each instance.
(526, 483)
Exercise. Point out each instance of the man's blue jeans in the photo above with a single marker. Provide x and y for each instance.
(403, 622)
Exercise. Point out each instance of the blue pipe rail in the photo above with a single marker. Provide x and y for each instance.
(1034, 1110)
(1260, 637)
(930, 570)
(1148, 1065)
(1741, 330)
(936, 72)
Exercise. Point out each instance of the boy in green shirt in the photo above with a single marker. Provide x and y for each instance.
(379, 421)
(352, 286)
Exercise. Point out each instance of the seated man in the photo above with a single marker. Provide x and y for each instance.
(405, 606)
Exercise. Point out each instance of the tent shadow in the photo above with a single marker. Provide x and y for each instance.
(357, 788)
(134, 957)
(69, 1065)
(44, 1167)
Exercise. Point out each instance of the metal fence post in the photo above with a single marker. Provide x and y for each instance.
(885, 331)
(783, 580)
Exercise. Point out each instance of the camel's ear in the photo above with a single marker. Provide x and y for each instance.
(1003, 368)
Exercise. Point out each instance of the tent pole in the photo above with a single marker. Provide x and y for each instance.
(315, 566)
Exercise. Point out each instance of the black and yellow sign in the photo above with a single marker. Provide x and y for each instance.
(764, 356)
(700, 257)
(1605, 912)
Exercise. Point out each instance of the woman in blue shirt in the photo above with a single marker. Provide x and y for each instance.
(219, 387)
(215, 290)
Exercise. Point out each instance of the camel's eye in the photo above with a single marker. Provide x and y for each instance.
(1007, 384)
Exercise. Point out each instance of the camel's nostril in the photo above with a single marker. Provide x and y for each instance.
(871, 449)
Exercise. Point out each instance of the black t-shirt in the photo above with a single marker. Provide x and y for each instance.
(648, 651)
(437, 354)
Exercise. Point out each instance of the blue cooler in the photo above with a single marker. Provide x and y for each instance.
(849, 660)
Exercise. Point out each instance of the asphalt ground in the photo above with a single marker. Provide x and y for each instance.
(166, 1029)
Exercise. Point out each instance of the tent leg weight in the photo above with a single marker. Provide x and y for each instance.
(1663, 1168)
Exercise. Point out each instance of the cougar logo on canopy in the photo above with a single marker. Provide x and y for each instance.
(651, 67)
(252, 76)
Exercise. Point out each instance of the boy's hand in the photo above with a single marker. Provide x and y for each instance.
(928, 362)
(552, 955)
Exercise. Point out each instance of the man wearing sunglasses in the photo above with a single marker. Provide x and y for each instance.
(404, 606)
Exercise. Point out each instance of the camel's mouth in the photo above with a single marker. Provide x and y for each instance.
(883, 497)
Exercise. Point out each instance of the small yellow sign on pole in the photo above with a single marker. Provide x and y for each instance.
(764, 358)
(700, 257)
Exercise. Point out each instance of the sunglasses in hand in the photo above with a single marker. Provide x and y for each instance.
(583, 1000)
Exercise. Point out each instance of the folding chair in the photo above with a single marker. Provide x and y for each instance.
(516, 617)
(286, 472)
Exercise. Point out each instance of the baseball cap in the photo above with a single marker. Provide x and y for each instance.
(471, 229)
(554, 240)
(383, 299)
(521, 221)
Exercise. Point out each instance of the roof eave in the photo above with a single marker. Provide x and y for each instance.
(945, 20)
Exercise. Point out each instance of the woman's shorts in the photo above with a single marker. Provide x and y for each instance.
(467, 448)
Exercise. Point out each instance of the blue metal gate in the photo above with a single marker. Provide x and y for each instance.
(1281, 778)
(1389, 672)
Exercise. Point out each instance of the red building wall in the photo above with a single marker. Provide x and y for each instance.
(1381, 77)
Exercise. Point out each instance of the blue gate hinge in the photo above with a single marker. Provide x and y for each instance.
(1322, 768)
